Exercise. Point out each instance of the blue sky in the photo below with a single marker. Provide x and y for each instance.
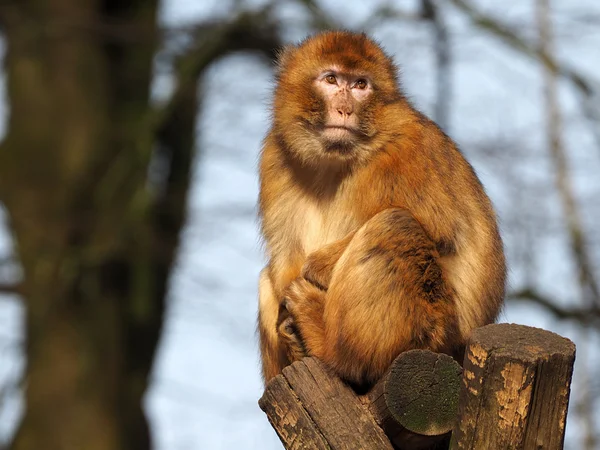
(206, 378)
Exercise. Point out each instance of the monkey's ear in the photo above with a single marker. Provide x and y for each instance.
(284, 55)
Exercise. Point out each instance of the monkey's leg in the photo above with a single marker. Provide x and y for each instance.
(272, 354)
(387, 294)
(319, 265)
(305, 303)
(280, 343)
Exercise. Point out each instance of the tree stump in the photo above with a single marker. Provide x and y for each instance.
(516, 389)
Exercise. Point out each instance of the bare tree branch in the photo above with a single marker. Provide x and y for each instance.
(430, 11)
(579, 249)
(248, 30)
(320, 19)
(509, 36)
(586, 315)
(564, 186)
(587, 88)
(10, 288)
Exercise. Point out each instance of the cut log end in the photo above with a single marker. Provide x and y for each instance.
(527, 344)
(416, 401)
(422, 391)
(516, 389)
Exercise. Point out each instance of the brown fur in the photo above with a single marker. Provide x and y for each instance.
(386, 244)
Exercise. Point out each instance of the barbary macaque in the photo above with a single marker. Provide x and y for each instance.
(378, 233)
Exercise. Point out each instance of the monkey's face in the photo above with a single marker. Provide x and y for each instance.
(344, 95)
(331, 99)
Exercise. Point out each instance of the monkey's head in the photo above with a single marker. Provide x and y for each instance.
(332, 100)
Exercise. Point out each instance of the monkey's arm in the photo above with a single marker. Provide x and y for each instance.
(280, 344)
(387, 295)
(319, 265)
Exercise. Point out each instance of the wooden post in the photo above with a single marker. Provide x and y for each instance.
(516, 389)
(310, 408)
(514, 393)
(414, 404)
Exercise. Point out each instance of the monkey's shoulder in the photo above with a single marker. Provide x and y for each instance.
(420, 156)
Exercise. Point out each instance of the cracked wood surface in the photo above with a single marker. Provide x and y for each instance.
(515, 393)
(310, 408)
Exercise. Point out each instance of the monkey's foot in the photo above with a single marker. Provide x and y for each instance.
(303, 298)
(290, 338)
(304, 301)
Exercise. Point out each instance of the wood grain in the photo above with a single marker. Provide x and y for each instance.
(516, 385)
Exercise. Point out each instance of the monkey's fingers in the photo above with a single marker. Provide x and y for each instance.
(305, 302)
(301, 296)
(290, 338)
(319, 265)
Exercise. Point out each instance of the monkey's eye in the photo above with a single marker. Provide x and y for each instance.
(361, 84)
(330, 79)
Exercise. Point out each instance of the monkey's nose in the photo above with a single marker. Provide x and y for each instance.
(344, 112)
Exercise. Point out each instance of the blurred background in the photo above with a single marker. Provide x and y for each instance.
(129, 250)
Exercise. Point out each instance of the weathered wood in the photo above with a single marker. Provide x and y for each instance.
(516, 389)
(332, 410)
(514, 394)
(416, 402)
(289, 418)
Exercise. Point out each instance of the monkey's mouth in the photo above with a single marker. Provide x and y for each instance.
(340, 127)
(339, 133)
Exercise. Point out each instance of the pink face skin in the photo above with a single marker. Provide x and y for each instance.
(343, 93)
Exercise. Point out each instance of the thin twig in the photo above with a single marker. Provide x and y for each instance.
(579, 249)
(431, 12)
(587, 88)
(586, 315)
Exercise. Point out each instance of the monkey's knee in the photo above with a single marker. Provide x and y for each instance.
(398, 224)
(387, 296)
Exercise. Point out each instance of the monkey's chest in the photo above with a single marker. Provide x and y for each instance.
(317, 227)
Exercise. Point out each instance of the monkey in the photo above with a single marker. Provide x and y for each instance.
(378, 233)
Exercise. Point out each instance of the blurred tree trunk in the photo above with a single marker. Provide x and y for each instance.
(95, 246)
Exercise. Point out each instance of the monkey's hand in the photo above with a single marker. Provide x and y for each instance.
(305, 303)
(290, 338)
(319, 265)
(289, 335)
